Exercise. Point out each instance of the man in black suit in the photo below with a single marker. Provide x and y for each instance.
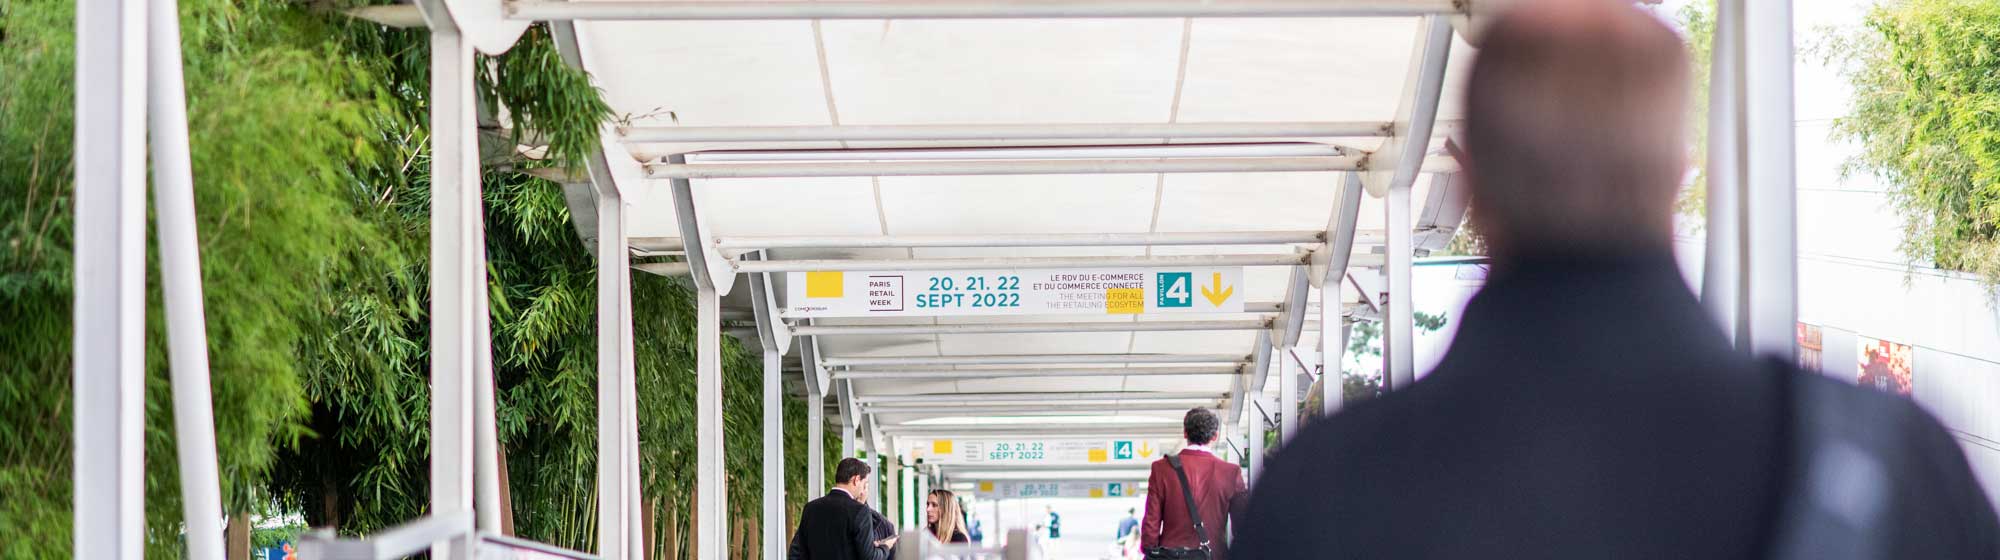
(840, 525)
(1588, 406)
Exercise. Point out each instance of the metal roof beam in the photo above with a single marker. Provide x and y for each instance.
(1018, 240)
(1053, 430)
(1111, 151)
(997, 328)
(1028, 359)
(1025, 263)
(992, 132)
(1036, 409)
(1035, 373)
(970, 9)
(1396, 164)
(1117, 396)
(682, 170)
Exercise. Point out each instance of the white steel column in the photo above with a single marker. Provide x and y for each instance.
(714, 527)
(1256, 444)
(635, 534)
(774, 456)
(1333, 351)
(485, 430)
(815, 443)
(180, 276)
(712, 533)
(920, 482)
(108, 378)
(1399, 321)
(612, 508)
(454, 241)
(1722, 277)
(1288, 394)
(850, 420)
(892, 488)
(1414, 119)
(1770, 254)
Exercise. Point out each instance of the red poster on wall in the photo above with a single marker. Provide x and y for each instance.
(1812, 348)
(1887, 366)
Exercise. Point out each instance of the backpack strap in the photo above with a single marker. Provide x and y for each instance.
(1187, 493)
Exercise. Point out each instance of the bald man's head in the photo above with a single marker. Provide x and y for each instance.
(1575, 128)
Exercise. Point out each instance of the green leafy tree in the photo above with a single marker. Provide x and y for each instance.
(1361, 365)
(276, 127)
(1926, 116)
(311, 168)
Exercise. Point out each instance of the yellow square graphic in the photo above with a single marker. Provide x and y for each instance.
(941, 447)
(825, 284)
(985, 486)
(1098, 455)
(1124, 301)
(1097, 492)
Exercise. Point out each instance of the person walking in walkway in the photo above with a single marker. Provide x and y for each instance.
(1588, 406)
(1128, 534)
(1191, 496)
(942, 519)
(840, 525)
(1055, 522)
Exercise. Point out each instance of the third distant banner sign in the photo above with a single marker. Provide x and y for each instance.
(1113, 291)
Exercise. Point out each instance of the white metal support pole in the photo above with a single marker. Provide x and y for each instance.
(1722, 277)
(919, 499)
(815, 443)
(611, 321)
(454, 241)
(1256, 444)
(1415, 118)
(485, 429)
(713, 530)
(1770, 255)
(850, 420)
(1288, 395)
(180, 275)
(892, 488)
(774, 456)
(108, 378)
(635, 534)
(1399, 320)
(1333, 358)
(714, 526)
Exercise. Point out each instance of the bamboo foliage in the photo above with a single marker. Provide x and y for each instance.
(311, 164)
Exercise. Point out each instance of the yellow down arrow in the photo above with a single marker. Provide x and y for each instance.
(1220, 294)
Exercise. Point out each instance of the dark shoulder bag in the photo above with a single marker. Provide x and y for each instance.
(1194, 513)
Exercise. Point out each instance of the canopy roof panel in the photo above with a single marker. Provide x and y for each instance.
(1350, 72)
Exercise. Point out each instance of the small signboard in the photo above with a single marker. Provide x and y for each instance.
(1005, 489)
(1110, 291)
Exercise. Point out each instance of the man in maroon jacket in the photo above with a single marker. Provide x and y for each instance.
(1218, 489)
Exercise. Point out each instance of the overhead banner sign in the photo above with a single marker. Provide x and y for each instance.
(1110, 291)
(1004, 489)
(1137, 452)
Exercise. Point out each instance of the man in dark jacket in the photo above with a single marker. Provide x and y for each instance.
(1217, 487)
(1588, 406)
(840, 525)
